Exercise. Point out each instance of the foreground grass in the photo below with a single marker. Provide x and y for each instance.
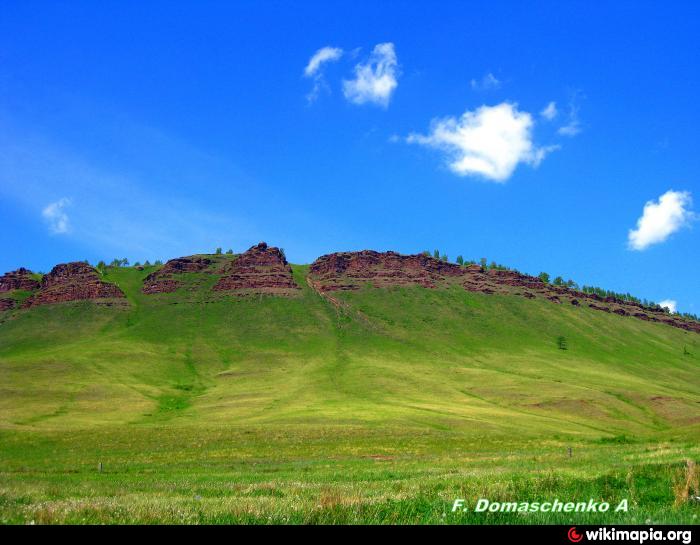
(333, 475)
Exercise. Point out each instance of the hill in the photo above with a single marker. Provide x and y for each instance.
(365, 386)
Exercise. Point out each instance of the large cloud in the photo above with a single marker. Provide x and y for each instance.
(661, 219)
(376, 79)
(488, 142)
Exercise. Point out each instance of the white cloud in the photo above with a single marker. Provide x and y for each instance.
(573, 125)
(313, 68)
(376, 79)
(570, 129)
(550, 111)
(488, 142)
(55, 215)
(670, 304)
(323, 55)
(661, 219)
(488, 82)
(539, 154)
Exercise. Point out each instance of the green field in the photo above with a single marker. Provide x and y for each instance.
(204, 407)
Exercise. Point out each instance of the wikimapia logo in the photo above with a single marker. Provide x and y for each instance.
(573, 535)
(628, 535)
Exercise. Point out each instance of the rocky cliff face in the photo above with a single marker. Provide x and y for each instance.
(21, 279)
(72, 282)
(165, 279)
(514, 283)
(261, 269)
(350, 270)
(264, 269)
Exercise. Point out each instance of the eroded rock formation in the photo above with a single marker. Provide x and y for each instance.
(514, 283)
(350, 270)
(264, 269)
(21, 279)
(72, 282)
(261, 269)
(164, 280)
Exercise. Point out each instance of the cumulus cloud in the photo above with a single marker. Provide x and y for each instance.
(314, 68)
(661, 219)
(550, 111)
(56, 217)
(376, 79)
(488, 82)
(489, 142)
(670, 304)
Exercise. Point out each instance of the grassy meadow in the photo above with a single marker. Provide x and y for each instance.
(204, 407)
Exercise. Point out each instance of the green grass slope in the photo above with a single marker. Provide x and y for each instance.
(275, 408)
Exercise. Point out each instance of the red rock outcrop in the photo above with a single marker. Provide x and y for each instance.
(502, 281)
(72, 282)
(499, 281)
(261, 269)
(164, 279)
(21, 279)
(350, 270)
(264, 269)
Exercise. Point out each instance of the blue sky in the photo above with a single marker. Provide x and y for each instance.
(158, 129)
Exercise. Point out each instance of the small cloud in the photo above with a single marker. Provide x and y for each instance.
(323, 55)
(573, 124)
(56, 217)
(489, 142)
(670, 304)
(487, 83)
(539, 154)
(571, 129)
(313, 68)
(376, 79)
(661, 219)
(550, 111)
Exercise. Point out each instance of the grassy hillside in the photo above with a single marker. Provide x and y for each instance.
(260, 408)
